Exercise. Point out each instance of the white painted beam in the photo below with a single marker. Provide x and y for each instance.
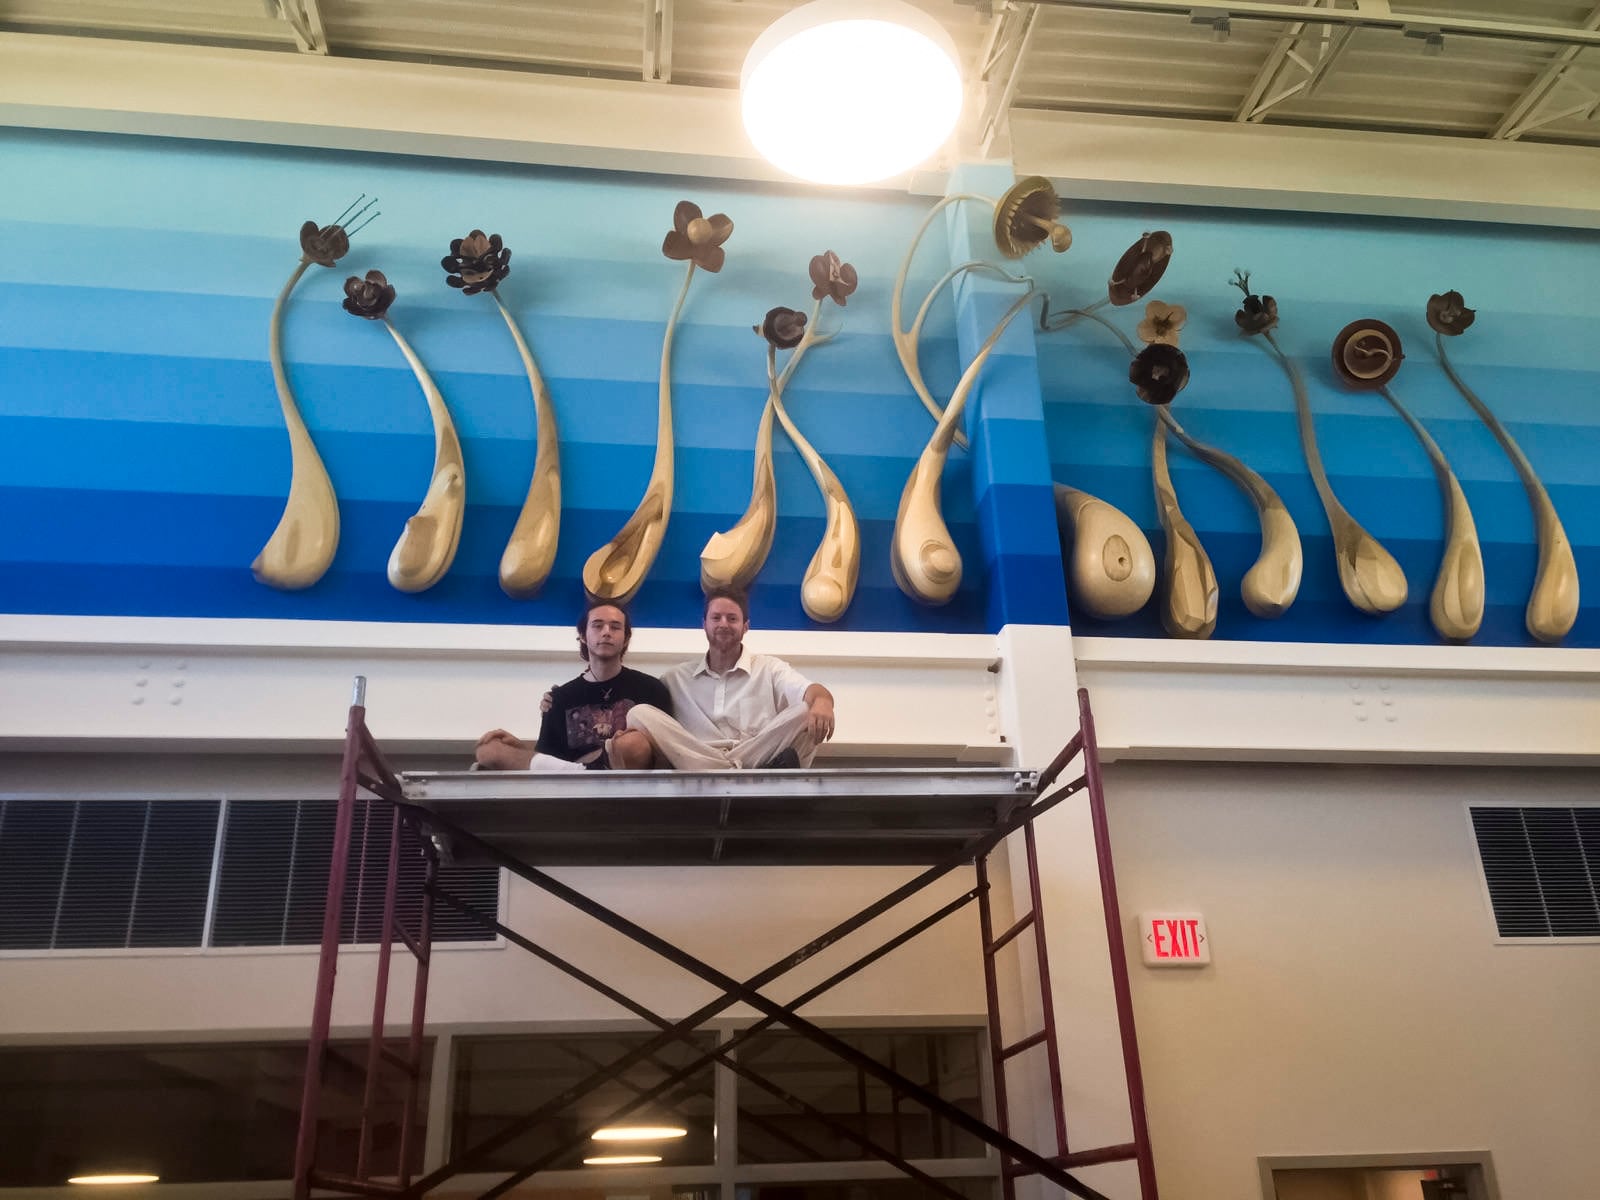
(1308, 170)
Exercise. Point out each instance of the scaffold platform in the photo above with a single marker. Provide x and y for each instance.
(940, 819)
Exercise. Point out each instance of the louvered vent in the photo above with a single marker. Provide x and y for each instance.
(122, 874)
(274, 876)
(1542, 866)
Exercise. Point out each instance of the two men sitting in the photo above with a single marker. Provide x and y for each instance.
(726, 710)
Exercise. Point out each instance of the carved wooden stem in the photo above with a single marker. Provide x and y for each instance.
(922, 555)
(1553, 603)
(1456, 605)
(302, 546)
(1273, 581)
(735, 558)
(427, 546)
(829, 583)
(616, 570)
(1189, 584)
(531, 549)
(906, 340)
(1368, 573)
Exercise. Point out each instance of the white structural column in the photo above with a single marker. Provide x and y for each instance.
(1039, 714)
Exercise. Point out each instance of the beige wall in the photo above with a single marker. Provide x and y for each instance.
(1357, 1001)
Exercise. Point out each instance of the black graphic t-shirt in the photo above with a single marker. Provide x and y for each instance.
(583, 713)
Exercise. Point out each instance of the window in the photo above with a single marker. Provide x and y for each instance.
(189, 1113)
(1542, 868)
(770, 1130)
(128, 874)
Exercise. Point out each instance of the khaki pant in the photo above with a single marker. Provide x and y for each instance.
(688, 753)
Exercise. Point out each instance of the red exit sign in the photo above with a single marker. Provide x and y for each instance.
(1174, 939)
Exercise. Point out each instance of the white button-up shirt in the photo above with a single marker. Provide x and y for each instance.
(732, 706)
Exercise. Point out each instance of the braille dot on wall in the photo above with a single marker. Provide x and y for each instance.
(1361, 716)
(141, 682)
(175, 700)
(177, 683)
(989, 709)
(993, 728)
(182, 666)
(144, 664)
(138, 699)
(1354, 683)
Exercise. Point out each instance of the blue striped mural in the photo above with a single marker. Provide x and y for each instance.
(1532, 356)
(144, 456)
(143, 460)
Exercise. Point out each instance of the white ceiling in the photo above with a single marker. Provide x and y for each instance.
(1516, 70)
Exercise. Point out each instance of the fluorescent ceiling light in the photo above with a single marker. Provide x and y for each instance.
(851, 91)
(108, 1179)
(621, 1160)
(638, 1133)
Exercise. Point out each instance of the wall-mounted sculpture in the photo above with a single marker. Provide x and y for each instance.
(922, 555)
(616, 570)
(427, 545)
(477, 264)
(735, 558)
(1371, 578)
(1158, 373)
(1553, 602)
(1366, 357)
(302, 546)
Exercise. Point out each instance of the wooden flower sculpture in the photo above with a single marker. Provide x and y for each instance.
(1158, 373)
(1371, 578)
(302, 546)
(478, 264)
(735, 557)
(1553, 602)
(616, 570)
(427, 545)
(1367, 357)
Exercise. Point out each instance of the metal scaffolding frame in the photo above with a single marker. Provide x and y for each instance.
(941, 820)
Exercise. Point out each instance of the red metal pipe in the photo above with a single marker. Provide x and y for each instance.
(1047, 998)
(305, 1147)
(991, 985)
(380, 997)
(1119, 958)
(419, 1002)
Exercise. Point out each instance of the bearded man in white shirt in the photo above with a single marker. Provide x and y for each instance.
(733, 709)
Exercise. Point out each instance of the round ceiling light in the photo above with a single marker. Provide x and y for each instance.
(851, 91)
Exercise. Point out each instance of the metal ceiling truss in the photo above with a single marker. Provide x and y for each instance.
(658, 41)
(1000, 68)
(1540, 103)
(1307, 50)
(1366, 15)
(304, 19)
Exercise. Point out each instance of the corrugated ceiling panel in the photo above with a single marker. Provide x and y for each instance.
(605, 36)
(233, 21)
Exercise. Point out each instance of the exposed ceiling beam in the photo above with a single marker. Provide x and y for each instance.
(304, 19)
(658, 41)
(1515, 123)
(1017, 25)
(1271, 67)
(1365, 17)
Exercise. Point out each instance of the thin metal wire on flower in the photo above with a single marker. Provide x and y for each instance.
(616, 570)
(427, 545)
(1366, 357)
(303, 544)
(1553, 601)
(478, 264)
(1368, 574)
(735, 557)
